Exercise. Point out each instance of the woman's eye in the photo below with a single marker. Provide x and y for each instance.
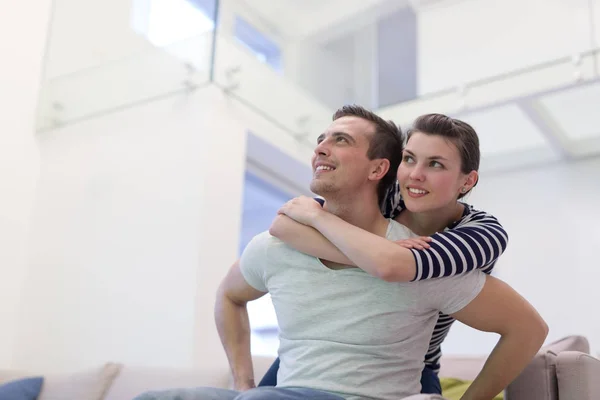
(408, 159)
(436, 164)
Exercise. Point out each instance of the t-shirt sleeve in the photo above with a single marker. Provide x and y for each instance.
(452, 294)
(253, 262)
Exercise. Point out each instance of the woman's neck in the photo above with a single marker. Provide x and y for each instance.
(429, 222)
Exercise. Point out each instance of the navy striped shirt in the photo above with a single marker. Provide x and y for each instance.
(473, 242)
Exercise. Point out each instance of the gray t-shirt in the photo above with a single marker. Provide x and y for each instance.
(345, 331)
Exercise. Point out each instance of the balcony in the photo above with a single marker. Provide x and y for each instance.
(525, 73)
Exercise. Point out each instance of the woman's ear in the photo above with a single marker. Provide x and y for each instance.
(472, 178)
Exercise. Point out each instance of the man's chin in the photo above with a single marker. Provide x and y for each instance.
(320, 188)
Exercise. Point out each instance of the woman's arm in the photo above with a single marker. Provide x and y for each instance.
(475, 242)
(306, 239)
(376, 255)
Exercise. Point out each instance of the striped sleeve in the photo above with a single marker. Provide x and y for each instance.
(475, 242)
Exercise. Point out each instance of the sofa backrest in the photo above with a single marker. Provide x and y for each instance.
(538, 380)
(133, 380)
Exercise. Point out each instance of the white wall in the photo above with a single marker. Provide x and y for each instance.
(138, 72)
(553, 222)
(136, 221)
(22, 40)
(326, 73)
(80, 38)
(462, 41)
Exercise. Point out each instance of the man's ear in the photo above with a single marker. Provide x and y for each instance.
(380, 167)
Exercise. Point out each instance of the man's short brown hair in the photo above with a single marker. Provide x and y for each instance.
(386, 142)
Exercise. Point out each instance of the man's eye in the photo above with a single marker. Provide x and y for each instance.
(341, 139)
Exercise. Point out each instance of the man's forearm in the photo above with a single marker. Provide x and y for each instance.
(234, 330)
(510, 356)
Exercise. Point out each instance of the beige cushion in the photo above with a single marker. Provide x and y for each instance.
(133, 381)
(569, 343)
(10, 375)
(86, 385)
(578, 376)
(538, 380)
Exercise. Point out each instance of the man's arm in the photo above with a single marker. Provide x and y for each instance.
(498, 308)
(233, 325)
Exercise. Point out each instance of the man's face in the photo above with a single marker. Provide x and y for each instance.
(340, 162)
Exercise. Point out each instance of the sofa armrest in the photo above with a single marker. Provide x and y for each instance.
(578, 376)
(424, 397)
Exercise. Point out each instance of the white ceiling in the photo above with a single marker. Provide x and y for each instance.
(319, 19)
(504, 128)
(577, 110)
(553, 120)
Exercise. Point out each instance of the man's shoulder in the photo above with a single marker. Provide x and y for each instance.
(258, 250)
(263, 240)
(397, 231)
(266, 244)
(473, 278)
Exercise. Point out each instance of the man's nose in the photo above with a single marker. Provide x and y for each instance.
(322, 149)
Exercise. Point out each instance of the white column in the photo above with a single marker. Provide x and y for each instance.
(224, 161)
(22, 41)
(136, 222)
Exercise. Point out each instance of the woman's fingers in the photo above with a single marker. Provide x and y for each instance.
(419, 243)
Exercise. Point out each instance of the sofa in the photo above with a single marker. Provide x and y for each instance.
(563, 370)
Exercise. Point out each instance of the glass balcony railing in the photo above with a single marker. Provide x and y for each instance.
(113, 85)
(293, 63)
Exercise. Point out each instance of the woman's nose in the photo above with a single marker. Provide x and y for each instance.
(417, 173)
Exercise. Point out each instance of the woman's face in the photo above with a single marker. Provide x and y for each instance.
(430, 173)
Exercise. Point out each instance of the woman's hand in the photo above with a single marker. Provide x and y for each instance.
(418, 243)
(304, 210)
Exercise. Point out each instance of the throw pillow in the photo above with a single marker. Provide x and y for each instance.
(454, 389)
(22, 389)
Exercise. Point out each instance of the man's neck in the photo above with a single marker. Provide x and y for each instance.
(361, 211)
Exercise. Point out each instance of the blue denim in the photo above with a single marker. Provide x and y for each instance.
(261, 393)
(430, 382)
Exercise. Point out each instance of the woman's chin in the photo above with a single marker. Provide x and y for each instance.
(416, 205)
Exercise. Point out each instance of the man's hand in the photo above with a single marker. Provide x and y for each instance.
(304, 210)
(418, 243)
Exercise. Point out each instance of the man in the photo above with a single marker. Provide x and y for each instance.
(344, 333)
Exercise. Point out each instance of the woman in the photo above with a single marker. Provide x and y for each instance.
(439, 167)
